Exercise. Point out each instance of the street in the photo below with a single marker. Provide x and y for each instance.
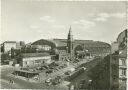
(19, 83)
(22, 83)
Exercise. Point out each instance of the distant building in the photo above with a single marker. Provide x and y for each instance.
(7, 45)
(114, 47)
(34, 59)
(20, 44)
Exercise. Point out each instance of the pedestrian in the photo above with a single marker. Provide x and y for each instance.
(10, 81)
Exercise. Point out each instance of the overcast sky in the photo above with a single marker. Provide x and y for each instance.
(30, 20)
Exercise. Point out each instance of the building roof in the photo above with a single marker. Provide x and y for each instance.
(10, 42)
(60, 44)
(44, 42)
(25, 55)
(124, 33)
(63, 42)
(35, 72)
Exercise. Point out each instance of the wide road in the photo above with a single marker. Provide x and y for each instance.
(19, 83)
(24, 84)
(84, 75)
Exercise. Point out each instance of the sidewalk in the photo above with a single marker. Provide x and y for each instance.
(6, 85)
(5, 66)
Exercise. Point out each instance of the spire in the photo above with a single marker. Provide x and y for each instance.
(70, 43)
(70, 31)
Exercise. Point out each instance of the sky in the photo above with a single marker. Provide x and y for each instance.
(31, 20)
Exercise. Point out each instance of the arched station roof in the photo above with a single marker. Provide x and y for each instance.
(56, 43)
(44, 42)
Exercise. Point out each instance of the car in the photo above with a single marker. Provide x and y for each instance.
(48, 81)
(36, 77)
(57, 69)
(46, 67)
(41, 68)
(49, 71)
(52, 68)
(68, 73)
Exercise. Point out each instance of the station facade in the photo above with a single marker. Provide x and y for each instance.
(70, 48)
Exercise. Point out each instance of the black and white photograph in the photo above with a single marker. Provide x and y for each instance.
(63, 44)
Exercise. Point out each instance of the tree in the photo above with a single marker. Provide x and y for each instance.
(19, 58)
(12, 53)
(28, 49)
(2, 48)
(23, 49)
(17, 52)
(52, 51)
(4, 57)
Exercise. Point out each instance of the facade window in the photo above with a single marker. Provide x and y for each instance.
(46, 47)
(122, 62)
(26, 63)
(124, 72)
(114, 77)
(122, 81)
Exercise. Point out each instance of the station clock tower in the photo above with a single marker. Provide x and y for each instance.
(70, 44)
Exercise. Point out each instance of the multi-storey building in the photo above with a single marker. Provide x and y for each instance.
(20, 44)
(114, 71)
(7, 45)
(122, 41)
(118, 62)
(114, 66)
(114, 47)
(34, 59)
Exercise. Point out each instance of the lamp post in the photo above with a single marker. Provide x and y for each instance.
(37, 50)
(89, 84)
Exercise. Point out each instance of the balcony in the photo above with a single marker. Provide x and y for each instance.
(123, 66)
(122, 77)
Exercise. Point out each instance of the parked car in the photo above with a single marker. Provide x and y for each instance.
(57, 80)
(48, 81)
(68, 73)
(46, 67)
(49, 71)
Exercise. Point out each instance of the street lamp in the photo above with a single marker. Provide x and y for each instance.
(86, 50)
(85, 69)
(90, 81)
(37, 50)
(89, 85)
(67, 49)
